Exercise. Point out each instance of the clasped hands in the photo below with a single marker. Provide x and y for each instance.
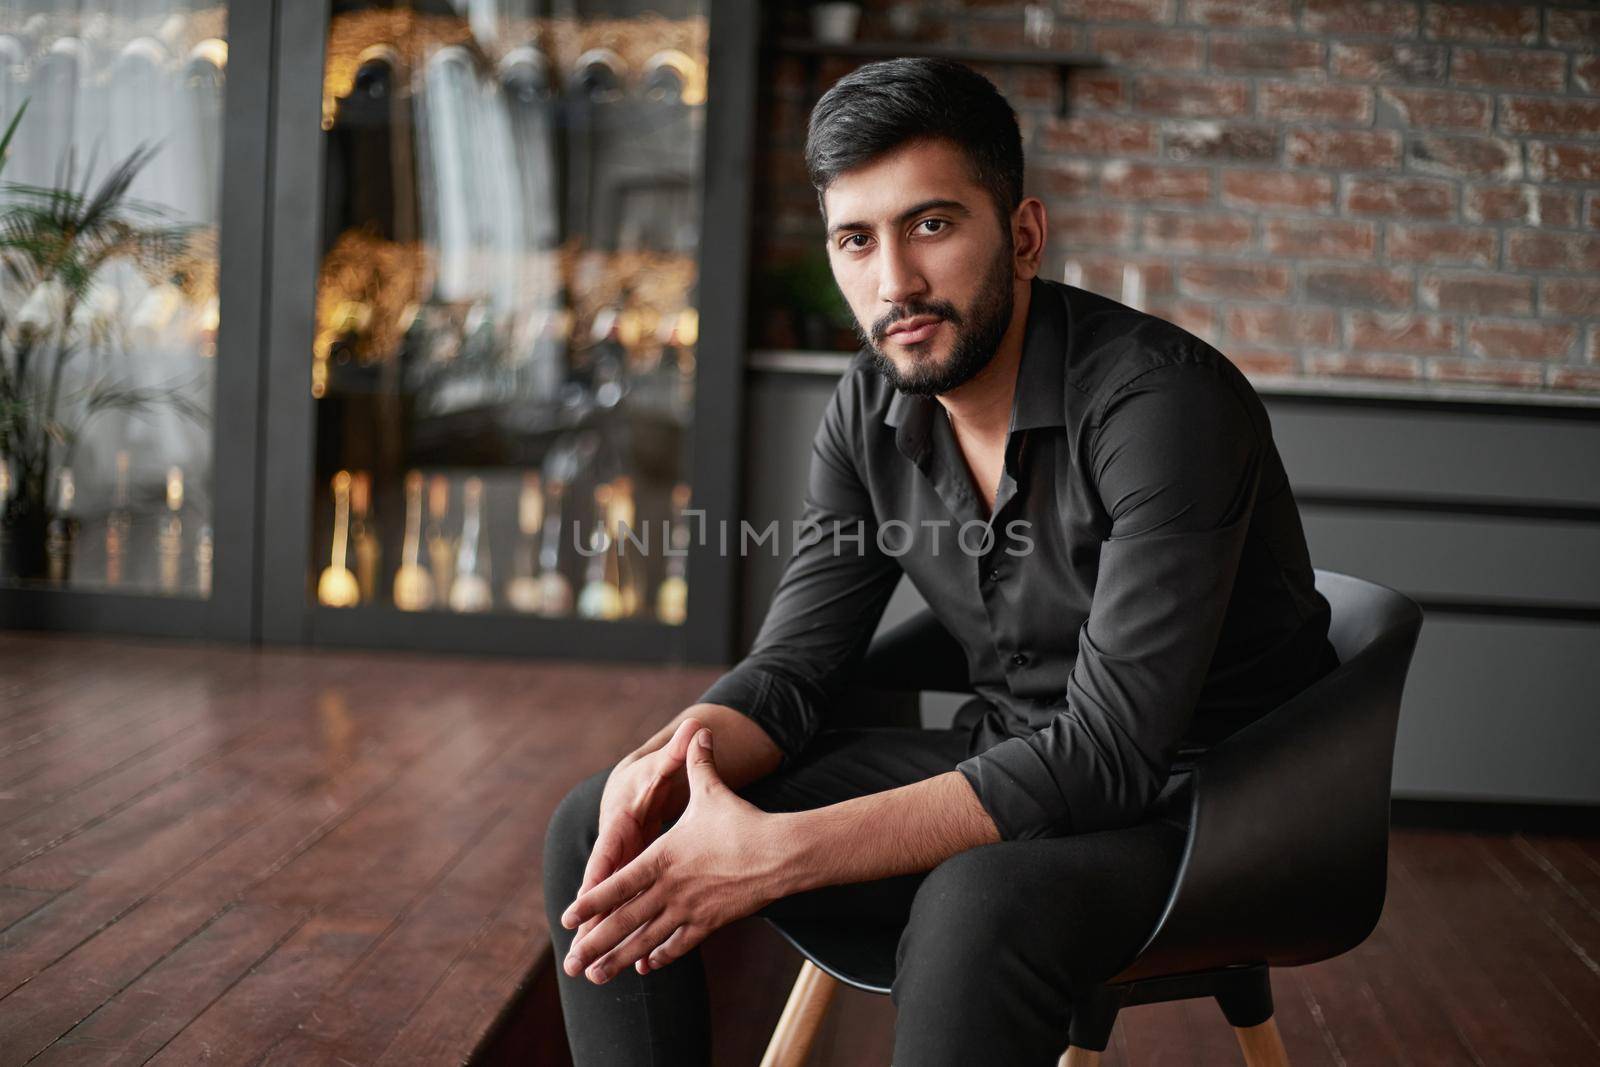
(646, 904)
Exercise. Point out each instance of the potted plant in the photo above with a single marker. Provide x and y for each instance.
(59, 339)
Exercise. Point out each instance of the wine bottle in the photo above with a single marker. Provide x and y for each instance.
(600, 597)
(555, 591)
(62, 531)
(337, 587)
(471, 592)
(413, 584)
(119, 523)
(522, 592)
(169, 542)
(441, 545)
(672, 597)
(363, 538)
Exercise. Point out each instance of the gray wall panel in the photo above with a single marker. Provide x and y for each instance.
(1445, 455)
(1461, 557)
(1502, 709)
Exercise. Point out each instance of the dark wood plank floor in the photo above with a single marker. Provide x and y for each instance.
(212, 853)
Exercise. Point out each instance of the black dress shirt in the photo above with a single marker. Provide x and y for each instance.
(1145, 590)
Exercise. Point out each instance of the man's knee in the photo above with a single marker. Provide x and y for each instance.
(570, 837)
(966, 911)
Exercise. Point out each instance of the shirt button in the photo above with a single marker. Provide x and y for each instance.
(1019, 658)
(994, 574)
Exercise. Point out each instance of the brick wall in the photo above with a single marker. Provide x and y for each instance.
(1371, 188)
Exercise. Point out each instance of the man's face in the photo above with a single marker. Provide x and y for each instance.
(924, 263)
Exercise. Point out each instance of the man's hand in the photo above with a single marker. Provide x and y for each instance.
(722, 860)
(639, 796)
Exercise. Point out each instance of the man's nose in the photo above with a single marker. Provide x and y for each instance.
(898, 277)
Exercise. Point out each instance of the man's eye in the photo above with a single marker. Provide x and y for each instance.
(852, 237)
(940, 223)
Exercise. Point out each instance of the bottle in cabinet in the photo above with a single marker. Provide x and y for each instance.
(413, 583)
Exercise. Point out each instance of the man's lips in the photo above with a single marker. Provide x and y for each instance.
(910, 331)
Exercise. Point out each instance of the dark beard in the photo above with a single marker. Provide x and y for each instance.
(977, 335)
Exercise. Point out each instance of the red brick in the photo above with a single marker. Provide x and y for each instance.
(1592, 349)
(1484, 372)
(1321, 238)
(1468, 157)
(1541, 250)
(1357, 286)
(1135, 46)
(1441, 244)
(1586, 73)
(1389, 61)
(1563, 162)
(1191, 97)
(1344, 149)
(1250, 54)
(1155, 183)
(1266, 14)
(1478, 294)
(1105, 274)
(1349, 365)
(1391, 17)
(1578, 378)
(1412, 197)
(999, 34)
(1511, 23)
(1572, 27)
(1521, 340)
(1261, 363)
(1439, 108)
(1098, 90)
(1535, 205)
(1250, 281)
(1281, 325)
(1327, 103)
(1222, 142)
(1093, 226)
(1195, 316)
(1570, 296)
(1591, 212)
(1095, 135)
(1538, 114)
(1158, 11)
(1172, 232)
(1277, 190)
(1064, 179)
(1423, 335)
(1510, 68)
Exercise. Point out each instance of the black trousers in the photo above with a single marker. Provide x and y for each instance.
(995, 941)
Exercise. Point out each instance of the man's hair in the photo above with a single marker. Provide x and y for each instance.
(882, 106)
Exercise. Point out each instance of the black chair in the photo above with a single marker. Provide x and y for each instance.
(1287, 857)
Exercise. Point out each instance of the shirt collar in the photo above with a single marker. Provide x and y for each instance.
(1038, 399)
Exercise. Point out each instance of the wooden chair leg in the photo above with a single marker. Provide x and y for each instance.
(1261, 1045)
(802, 1017)
(1079, 1057)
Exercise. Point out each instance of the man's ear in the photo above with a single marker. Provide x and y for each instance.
(1029, 228)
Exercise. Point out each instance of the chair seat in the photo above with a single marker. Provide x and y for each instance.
(856, 954)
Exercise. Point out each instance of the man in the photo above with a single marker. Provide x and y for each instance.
(1146, 589)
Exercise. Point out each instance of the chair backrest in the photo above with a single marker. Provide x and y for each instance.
(1288, 849)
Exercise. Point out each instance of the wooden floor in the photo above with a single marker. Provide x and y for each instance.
(215, 854)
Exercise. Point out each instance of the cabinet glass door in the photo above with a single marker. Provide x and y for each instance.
(110, 208)
(506, 321)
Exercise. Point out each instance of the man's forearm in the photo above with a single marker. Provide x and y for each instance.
(744, 752)
(899, 831)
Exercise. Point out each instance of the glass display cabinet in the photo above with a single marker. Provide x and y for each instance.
(130, 252)
(504, 392)
(410, 324)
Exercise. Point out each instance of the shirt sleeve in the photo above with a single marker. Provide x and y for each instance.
(833, 591)
(1175, 457)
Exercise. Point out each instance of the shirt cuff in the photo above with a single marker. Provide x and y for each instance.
(768, 701)
(1018, 791)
